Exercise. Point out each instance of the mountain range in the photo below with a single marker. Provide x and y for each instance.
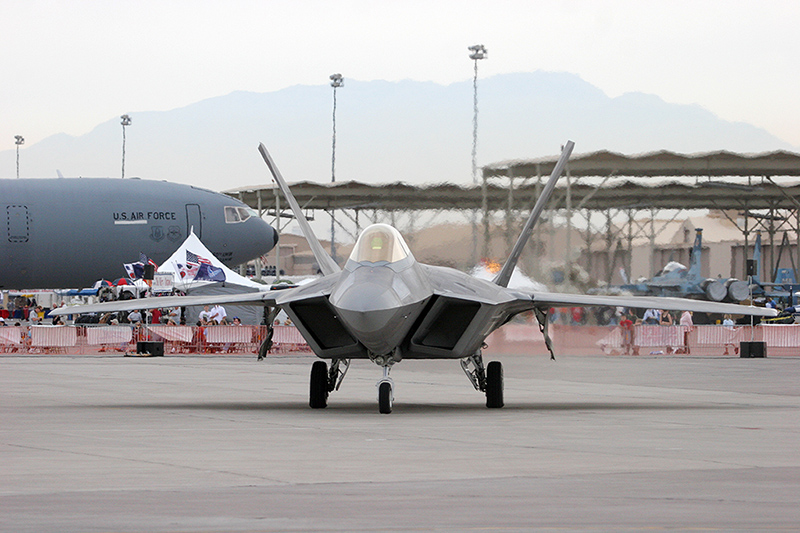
(417, 132)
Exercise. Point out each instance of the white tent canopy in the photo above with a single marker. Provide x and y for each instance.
(183, 277)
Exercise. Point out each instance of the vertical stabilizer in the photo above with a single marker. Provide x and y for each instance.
(326, 263)
(757, 258)
(697, 255)
(504, 275)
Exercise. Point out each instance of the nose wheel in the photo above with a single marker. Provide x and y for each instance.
(385, 397)
(385, 392)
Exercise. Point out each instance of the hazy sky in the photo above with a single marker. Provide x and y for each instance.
(66, 66)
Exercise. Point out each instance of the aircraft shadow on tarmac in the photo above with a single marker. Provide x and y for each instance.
(418, 408)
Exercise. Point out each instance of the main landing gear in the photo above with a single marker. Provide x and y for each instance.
(324, 381)
(488, 380)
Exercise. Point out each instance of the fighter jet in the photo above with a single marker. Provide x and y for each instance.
(676, 280)
(386, 307)
(70, 232)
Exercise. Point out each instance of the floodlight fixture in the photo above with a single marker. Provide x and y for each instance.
(19, 141)
(478, 51)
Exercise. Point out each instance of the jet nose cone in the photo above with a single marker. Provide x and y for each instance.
(380, 330)
(375, 315)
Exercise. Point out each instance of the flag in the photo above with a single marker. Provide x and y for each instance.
(188, 271)
(134, 270)
(144, 260)
(208, 272)
(196, 259)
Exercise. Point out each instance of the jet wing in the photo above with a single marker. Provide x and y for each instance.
(249, 298)
(555, 299)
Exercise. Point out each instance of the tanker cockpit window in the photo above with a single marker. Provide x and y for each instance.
(234, 214)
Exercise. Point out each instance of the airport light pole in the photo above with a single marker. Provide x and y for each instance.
(477, 52)
(126, 121)
(336, 81)
(19, 141)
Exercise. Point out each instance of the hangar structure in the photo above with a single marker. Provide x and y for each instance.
(756, 192)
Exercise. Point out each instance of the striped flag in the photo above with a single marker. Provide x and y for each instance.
(144, 260)
(196, 259)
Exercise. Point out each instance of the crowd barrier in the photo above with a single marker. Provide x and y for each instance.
(85, 339)
(783, 339)
(705, 340)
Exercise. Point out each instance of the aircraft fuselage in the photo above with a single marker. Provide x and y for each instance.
(70, 232)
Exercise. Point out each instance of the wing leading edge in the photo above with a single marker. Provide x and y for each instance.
(248, 298)
(555, 299)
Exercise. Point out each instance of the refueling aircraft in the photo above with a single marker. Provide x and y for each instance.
(70, 232)
(386, 307)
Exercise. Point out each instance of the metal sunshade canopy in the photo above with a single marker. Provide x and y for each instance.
(616, 193)
(661, 163)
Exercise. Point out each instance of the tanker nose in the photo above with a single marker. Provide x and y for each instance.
(275, 236)
(265, 237)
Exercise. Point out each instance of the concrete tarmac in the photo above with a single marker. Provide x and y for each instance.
(209, 443)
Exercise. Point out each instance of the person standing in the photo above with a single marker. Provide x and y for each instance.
(134, 316)
(626, 325)
(205, 315)
(218, 314)
(686, 322)
(652, 317)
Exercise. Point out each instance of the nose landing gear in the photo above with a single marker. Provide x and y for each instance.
(385, 392)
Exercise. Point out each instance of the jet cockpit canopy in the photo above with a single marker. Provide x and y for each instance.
(378, 243)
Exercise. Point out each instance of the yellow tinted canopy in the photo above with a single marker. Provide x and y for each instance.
(380, 242)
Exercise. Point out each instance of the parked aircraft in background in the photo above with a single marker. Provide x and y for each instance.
(384, 306)
(784, 286)
(676, 280)
(70, 232)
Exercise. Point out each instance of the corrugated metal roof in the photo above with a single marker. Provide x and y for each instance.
(659, 163)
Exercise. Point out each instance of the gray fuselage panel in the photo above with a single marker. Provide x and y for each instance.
(70, 232)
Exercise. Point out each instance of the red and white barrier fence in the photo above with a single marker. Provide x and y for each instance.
(79, 339)
(705, 340)
(512, 338)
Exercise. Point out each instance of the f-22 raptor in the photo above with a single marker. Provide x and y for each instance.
(386, 307)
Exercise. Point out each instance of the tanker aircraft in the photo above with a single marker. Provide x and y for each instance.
(386, 307)
(70, 232)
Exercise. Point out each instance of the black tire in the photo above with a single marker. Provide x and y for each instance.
(494, 385)
(318, 393)
(385, 398)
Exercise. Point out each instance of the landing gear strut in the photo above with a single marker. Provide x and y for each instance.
(488, 380)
